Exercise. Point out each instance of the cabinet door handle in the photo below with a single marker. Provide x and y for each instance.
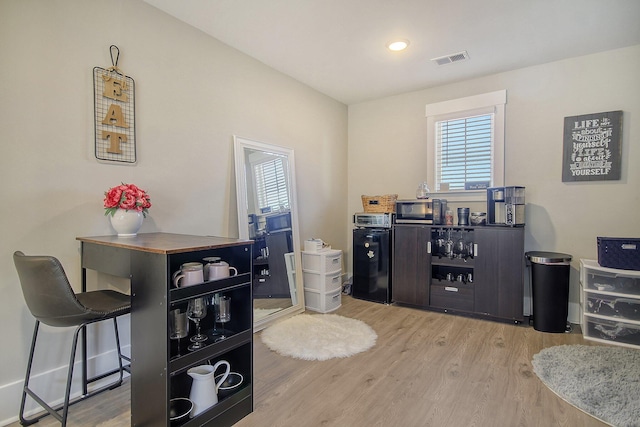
(475, 249)
(429, 247)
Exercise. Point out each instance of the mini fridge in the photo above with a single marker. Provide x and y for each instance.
(372, 263)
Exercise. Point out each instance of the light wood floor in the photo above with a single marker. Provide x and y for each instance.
(272, 303)
(427, 369)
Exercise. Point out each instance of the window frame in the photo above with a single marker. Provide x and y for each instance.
(279, 175)
(285, 175)
(492, 102)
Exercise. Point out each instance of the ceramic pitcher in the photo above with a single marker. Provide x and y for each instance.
(204, 389)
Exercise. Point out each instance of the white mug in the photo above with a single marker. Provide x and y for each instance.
(190, 273)
(216, 269)
(221, 271)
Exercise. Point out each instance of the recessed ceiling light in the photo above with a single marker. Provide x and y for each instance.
(397, 45)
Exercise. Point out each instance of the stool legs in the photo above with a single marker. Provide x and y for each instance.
(54, 411)
(120, 370)
(25, 388)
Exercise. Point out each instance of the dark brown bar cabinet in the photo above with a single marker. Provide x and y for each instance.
(473, 270)
(411, 265)
(158, 366)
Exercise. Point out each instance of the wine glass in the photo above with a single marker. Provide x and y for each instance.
(440, 243)
(215, 333)
(196, 311)
(449, 245)
(178, 326)
(223, 313)
(460, 247)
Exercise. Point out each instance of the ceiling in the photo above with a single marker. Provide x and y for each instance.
(338, 46)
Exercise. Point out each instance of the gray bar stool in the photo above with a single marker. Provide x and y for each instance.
(52, 301)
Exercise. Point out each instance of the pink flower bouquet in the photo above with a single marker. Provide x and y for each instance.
(127, 197)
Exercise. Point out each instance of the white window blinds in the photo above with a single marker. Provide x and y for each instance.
(271, 185)
(464, 150)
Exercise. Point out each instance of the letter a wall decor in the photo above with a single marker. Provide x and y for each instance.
(114, 113)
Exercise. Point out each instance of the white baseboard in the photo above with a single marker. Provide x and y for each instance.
(50, 385)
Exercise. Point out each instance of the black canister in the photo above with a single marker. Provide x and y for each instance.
(463, 216)
(550, 290)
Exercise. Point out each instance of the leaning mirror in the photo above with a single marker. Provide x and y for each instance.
(267, 214)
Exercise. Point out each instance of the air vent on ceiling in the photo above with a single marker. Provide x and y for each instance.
(454, 57)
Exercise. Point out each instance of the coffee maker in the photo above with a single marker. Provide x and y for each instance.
(505, 206)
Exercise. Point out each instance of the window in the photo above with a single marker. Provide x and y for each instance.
(271, 184)
(466, 137)
(463, 151)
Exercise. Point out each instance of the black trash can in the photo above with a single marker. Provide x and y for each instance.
(550, 289)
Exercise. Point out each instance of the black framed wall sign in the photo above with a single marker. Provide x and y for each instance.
(592, 149)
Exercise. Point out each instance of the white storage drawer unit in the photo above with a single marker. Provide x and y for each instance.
(323, 302)
(322, 271)
(322, 282)
(324, 261)
(610, 300)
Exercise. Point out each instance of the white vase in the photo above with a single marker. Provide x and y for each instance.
(126, 222)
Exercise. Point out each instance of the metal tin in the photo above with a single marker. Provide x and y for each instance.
(478, 218)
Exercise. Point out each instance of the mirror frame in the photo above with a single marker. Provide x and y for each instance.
(239, 146)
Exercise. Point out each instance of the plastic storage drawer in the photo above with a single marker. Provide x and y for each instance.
(610, 301)
(326, 261)
(611, 331)
(609, 280)
(322, 282)
(612, 306)
(322, 302)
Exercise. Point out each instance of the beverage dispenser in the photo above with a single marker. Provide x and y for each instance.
(505, 206)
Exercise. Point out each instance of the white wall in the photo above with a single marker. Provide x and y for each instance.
(387, 149)
(193, 94)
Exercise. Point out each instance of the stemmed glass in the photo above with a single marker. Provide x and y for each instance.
(449, 245)
(196, 311)
(440, 242)
(215, 333)
(460, 247)
(223, 313)
(178, 326)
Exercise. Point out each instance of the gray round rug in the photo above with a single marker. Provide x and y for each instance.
(603, 381)
(319, 336)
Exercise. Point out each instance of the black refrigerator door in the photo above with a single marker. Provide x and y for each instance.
(371, 265)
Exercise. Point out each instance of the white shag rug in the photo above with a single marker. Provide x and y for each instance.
(319, 336)
(603, 381)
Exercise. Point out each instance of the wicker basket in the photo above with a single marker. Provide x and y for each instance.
(379, 204)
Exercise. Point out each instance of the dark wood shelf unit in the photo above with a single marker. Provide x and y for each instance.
(411, 265)
(158, 370)
(492, 274)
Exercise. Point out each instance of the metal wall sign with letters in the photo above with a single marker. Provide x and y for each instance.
(592, 147)
(114, 114)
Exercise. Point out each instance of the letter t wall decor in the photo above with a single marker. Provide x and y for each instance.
(114, 106)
